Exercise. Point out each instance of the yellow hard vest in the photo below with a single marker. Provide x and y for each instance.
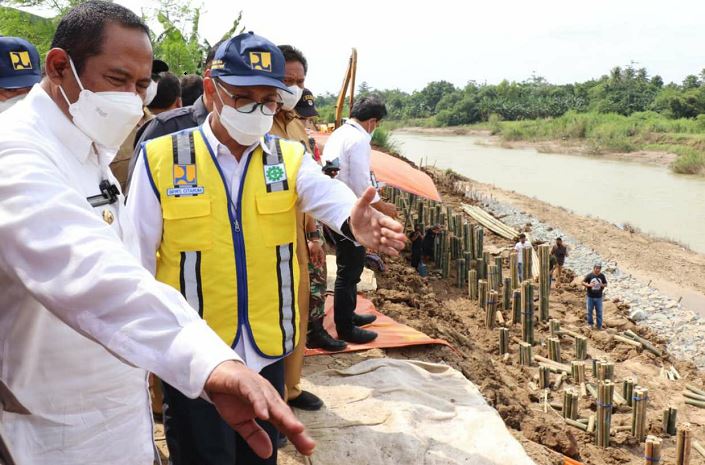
(234, 262)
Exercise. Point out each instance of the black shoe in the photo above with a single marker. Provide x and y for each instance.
(320, 339)
(362, 320)
(357, 335)
(307, 401)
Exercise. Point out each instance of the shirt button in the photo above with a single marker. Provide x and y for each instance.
(108, 216)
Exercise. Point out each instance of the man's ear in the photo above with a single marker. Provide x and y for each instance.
(57, 66)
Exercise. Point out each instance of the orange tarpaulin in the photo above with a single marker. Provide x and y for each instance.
(391, 333)
(397, 173)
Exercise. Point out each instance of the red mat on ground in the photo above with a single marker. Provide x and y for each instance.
(391, 333)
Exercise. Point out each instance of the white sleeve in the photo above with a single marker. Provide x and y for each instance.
(359, 155)
(145, 211)
(70, 261)
(325, 199)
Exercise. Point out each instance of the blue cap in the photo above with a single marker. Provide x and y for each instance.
(249, 60)
(19, 63)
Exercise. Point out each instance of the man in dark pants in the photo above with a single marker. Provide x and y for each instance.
(350, 144)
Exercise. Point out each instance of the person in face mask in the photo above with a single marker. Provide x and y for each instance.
(20, 69)
(82, 321)
(216, 212)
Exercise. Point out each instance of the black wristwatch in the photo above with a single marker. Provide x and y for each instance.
(313, 235)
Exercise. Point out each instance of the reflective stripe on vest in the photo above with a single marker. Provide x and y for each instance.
(202, 253)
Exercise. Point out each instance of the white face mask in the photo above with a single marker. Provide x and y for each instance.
(245, 128)
(105, 117)
(289, 100)
(4, 106)
(150, 93)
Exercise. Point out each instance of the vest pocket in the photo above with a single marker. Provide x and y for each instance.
(276, 210)
(188, 224)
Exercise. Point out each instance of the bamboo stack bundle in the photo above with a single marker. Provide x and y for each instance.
(482, 293)
(503, 341)
(516, 307)
(670, 416)
(628, 391)
(491, 310)
(527, 314)
(480, 267)
(555, 327)
(498, 264)
(577, 370)
(507, 294)
(544, 281)
(472, 285)
(577, 424)
(694, 396)
(652, 451)
(514, 270)
(683, 444)
(526, 354)
(606, 371)
(580, 348)
(461, 272)
(570, 404)
(554, 349)
(544, 377)
(596, 362)
(605, 391)
(527, 262)
(490, 222)
(641, 397)
(492, 282)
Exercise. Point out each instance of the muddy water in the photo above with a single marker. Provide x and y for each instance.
(651, 198)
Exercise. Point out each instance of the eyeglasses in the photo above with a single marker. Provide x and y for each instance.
(247, 105)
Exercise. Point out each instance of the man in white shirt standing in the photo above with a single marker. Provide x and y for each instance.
(215, 210)
(350, 144)
(81, 320)
(519, 249)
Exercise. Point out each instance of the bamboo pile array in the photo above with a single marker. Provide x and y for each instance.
(461, 272)
(555, 328)
(516, 307)
(554, 349)
(641, 397)
(684, 441)
(503, 341)
(570, 404)
(507, 294)
(472, 284)
(670, 416)
(514, 270)
(527, 314)
(544, 377)
(652, 451)
(580, 348)
(628, 391)
(526, 355)
(605, 392)
(544, 280)
(482, 293)
(491, 310)
(694, 396)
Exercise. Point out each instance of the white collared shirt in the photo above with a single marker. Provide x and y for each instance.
(350, 144)
(78, 312)
(325, 199)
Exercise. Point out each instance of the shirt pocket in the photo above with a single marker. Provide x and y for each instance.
(278, 221)
(188, 224)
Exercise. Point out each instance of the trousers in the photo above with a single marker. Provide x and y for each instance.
(594, 303)
(351, 261)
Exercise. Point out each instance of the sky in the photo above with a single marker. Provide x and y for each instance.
(407, 44)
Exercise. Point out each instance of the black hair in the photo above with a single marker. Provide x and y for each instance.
(168, 90)
(211, 54)
(191, 89)
(80, 32)
(368, 107)
(522, 236)
(294, 54)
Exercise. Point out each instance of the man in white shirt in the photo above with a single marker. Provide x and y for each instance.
(519, 249)
(350, 145)
(81, 320)
(215, 211)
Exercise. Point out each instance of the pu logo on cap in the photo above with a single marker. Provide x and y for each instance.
(20, 60)
(261, 61)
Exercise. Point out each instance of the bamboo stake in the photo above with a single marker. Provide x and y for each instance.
(647, 345)
(695, 389)
(492, 283)
(514, 270)
(652, 451)
(695, 403)
(555, 328)
(576, 424)
(544, 251)
(641, 397)
(527, 315)
(683, 444)
(570, 404)
(628, 391)
(606, 371)
(461, 273)
(698, 447)
(544, 377)
(472, 285)
(670, 416)
(479, 242)
(604, 413)
(639, 346)
(445, 265)
(591, 424)
(580, 348)
(693, 396)
(554, 349)
(507, 294)
(482, 293)
(558, 366)
(503, 341)
(480, 267)
(487, 261)
(491, 310)
(577, 370)
(527, 263)
(516, 307)
(526, 357)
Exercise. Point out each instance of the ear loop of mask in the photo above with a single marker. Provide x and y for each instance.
(80, 84)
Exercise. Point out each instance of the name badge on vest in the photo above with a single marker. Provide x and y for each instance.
(274, 173)
(185, 181)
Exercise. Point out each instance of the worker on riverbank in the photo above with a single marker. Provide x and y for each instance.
(595, 283)
(560, 252)
(350, 144)
(20, 69)
(215, 211)
(429, 242)
(519, 248)
(82, 321)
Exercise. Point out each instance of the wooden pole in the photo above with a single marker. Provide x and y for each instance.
(544, 281)
(527, 315)
(503, 341)
(683, 444)
(641, 397)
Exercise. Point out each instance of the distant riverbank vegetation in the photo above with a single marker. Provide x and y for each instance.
(623, 111)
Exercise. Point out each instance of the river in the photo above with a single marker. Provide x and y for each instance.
(648, 197)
